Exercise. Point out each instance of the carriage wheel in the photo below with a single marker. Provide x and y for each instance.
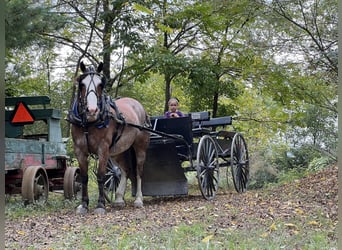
(72, 183)
(35, 186)
(207, 167)
(239, 163)
(112, 180)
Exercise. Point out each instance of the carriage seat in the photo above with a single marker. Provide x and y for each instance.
(181, 126)
(175, 126)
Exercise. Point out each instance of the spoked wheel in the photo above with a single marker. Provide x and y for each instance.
(72, 183)
(35, 186)
(112, 180)
(239, 163)
(207, 167)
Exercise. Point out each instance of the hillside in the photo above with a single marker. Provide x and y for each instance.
(301, 209)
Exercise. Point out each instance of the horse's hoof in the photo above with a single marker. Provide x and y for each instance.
(119, 204)
(100, 211)
(138, 204)
(81, 210)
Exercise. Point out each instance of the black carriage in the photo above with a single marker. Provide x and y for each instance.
(195, 142)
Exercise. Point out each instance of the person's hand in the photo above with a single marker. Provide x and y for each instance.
(174, 115)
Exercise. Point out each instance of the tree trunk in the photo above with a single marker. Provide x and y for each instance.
(107, 33)
(167, 91)
(215, 104)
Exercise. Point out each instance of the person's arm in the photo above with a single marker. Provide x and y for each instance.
(180, 114)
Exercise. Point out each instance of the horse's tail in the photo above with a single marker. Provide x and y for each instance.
(147, 121)
(130, 158)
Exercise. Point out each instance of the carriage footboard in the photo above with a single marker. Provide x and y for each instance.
(163, 174)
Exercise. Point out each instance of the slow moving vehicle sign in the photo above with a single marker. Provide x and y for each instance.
(22, 115)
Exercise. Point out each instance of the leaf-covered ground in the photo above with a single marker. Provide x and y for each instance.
(298, 208)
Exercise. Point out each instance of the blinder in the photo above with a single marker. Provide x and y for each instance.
(103, 82)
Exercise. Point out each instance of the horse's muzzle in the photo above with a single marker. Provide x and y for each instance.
(92, 115)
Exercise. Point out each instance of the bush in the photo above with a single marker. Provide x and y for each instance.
(262, 177)
(279, 164)
(319, 163)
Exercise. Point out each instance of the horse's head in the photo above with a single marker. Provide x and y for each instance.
(91, 84)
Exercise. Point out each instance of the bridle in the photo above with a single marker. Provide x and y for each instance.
(89, 90)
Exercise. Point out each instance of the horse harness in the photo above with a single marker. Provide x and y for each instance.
(79, 118)
(77, 115)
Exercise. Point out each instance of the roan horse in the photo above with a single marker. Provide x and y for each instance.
(107, 128)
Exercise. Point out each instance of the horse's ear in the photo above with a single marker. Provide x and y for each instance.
(100, 67)
(83, 67)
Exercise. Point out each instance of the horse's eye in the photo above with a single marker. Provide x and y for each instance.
(82, 88)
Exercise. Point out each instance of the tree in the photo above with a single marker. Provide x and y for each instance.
(306, 36)
(223, 57)
(267, 63)
(25, 22)
(24, 41)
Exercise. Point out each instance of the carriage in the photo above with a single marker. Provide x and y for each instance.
(36, 160)
(194, 143)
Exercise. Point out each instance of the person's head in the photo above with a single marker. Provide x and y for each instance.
(173, 104)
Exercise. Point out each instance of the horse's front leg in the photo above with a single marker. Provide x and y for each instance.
(101, 172)
(83, 164)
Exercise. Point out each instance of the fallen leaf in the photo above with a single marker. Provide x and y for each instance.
(299, 211)
(21, 232)
(264, 235)
(208, 238)
(273, 227)
(270, 210)
(313, 223)
(290, 225)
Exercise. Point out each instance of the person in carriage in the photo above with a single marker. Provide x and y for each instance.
(173, 109)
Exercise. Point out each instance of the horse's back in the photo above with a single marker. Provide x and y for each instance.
(132, 110)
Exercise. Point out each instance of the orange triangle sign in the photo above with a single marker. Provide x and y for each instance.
(22, 114)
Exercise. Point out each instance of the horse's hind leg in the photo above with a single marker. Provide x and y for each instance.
(121, 189)
(138, 196)
(140, 160)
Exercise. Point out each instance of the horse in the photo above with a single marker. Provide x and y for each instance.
(107, 128)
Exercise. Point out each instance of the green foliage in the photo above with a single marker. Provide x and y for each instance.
(291, 175)
(319, 163)
(207, 79)
(263, 177)
(149, 93)
(279, 163)
(25, 22)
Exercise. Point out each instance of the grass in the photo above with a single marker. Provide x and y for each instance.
(195, 237)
